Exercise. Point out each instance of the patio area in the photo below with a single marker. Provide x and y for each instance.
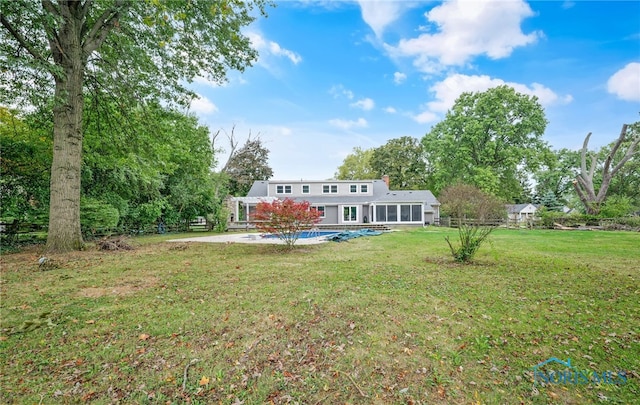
(253, 237)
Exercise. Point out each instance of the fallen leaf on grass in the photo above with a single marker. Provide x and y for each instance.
(143, 336)
(204, 380)
(90, 322)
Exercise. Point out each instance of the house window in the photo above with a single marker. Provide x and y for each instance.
(350, 213)
(329, 189)
(353, 188)
(392, 213)
(405, 213)
(364, 188)
(408, 213)
(416, 213)
(305, 189)
(320, 209)
(283, 189)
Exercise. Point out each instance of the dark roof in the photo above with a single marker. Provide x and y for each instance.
(408, 196)
(259, 188)
(516, 208)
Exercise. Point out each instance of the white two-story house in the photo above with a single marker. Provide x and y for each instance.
(344, 202)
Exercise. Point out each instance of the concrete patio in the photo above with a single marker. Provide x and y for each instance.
(254, 238)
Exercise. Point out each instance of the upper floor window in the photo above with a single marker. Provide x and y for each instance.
(283, 189)
(329, 189)
(353, 188)
(364, 188)
(305, 189)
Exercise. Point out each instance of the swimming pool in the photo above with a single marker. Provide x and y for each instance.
(308, 234)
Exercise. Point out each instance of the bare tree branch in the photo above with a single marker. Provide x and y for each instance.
(101, 28)
(583, 184)
(85, 8)
(233, 142)
(627, 155)
(583, 155)
(50, 7)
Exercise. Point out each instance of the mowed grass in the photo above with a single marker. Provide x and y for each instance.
(386, 319)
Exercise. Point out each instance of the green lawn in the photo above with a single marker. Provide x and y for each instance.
(385, 319)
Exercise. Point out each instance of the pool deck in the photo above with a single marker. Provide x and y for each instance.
(254, 238)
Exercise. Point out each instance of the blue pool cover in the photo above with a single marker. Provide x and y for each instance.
(347, 235)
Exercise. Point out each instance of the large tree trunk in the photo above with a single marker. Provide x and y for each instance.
(584, 185)
(64, 210)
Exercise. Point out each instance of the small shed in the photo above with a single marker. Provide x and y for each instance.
(521, 212)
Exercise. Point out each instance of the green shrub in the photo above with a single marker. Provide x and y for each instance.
(97, 215)
(471, 237)
(549, 218)
(616, 206)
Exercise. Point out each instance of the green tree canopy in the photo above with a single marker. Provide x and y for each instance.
(141, 50)
(158, 165)
(246, 165)
(464, 201)
(357, 166)
(556, 175)
(402, 160)
(24, 168)
(490, 139)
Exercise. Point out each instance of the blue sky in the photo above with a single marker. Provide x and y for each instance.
(333, 75)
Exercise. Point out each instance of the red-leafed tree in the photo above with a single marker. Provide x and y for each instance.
(286, 218)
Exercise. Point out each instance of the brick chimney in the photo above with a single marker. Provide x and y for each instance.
(385, 178)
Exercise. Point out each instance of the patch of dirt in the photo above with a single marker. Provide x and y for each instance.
(129, 288)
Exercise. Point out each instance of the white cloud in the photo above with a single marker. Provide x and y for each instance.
(448, 90)
(339, 90)
(346, 124)
(202, 105)
(365, 104)
(424, 117)
(278, 50)
(379, 14)
(398, 77)
(390, 110)
(466, 29)
(625, 83)
(266, 47)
